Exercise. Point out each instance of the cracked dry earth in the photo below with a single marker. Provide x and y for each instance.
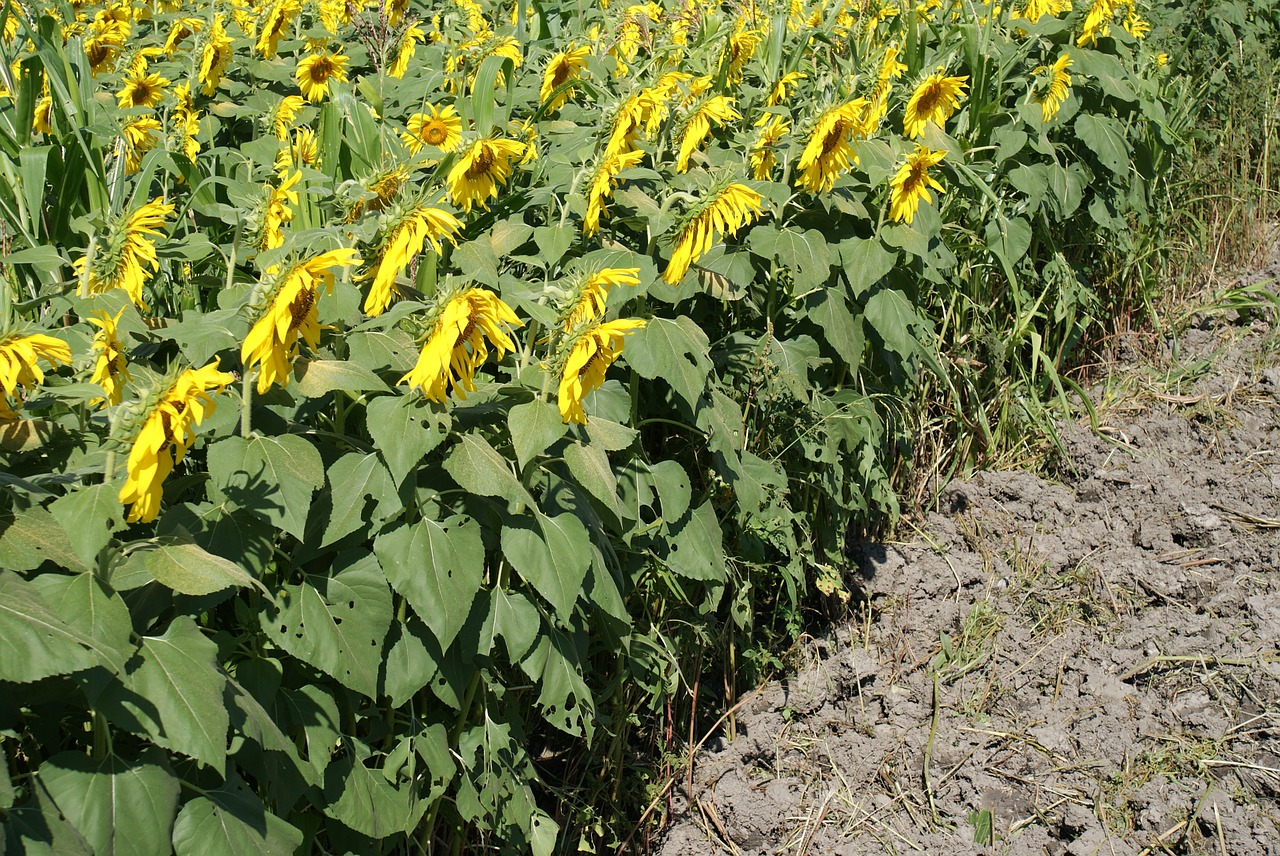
(1087, 666)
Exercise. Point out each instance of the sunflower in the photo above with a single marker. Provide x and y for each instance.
(20, 366)
(890, 69)
(286, 112)
(441, 128)
(779, 91)
(167, 432)
(186, 120)
(120, 258)
(42, 122)
(179, 31)
(1135, 25)
(103, 40)
(697, 126)
(142, 90)
(110, 371)
(409, 41)
(483, 168)
(1034, 10)
(625, 128)
(1097, 22)
(591, 352)
(139, 138)
(564, 67)
(828, 152)
(602, 185)
(934, 100)
(455, 346)
(290, 312)
(720, 214)
(279, 16)
(315, 71)
(416, 226)
(586, 298)
(302, 150)
(276, 211)
(634, 31)
(215, 56)
(912, 183)
(742, 46)
(1054, 89)
(764, 155)
(335, 14)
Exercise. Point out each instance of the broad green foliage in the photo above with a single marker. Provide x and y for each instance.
(305, 544)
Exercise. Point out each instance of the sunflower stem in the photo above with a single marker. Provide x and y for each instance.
(246, 403)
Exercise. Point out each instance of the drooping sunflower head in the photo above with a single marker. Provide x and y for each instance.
(828, 153)
(288, 312)
(281, 119)
(20, 352)
(460, 324)
(111, 371)
(742, 46)
(563, 68)
(764, 155)
(725, 209)
(406, 229)
(784, 87)
(583, 359)
(125, 251)
(582, 297)
(276, 209)
(412, 36)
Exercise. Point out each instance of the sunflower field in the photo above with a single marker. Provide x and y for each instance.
(419, 421)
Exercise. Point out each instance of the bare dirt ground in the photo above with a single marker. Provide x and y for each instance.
(1087, 666)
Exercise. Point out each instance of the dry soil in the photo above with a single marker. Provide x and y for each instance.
(1084, 665)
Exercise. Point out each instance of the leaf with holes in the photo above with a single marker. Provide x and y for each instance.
(675, 351)
(438, 568)
(231, 821)
(354, 480)
(405, 429)
(336, 623)
(696, 547)
(566, 701)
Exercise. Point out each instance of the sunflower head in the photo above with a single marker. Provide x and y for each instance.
(317, 71)
(440, 127)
